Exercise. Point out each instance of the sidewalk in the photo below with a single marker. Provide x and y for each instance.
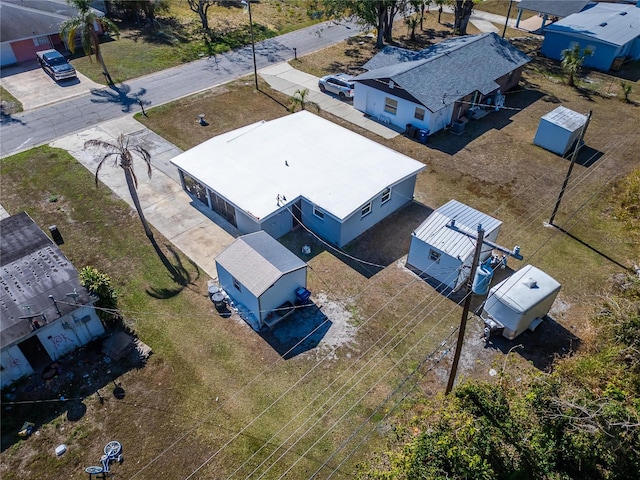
(165, 204)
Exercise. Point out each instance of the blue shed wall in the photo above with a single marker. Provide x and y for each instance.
(243, 296)
(603, 54)
(281, 291)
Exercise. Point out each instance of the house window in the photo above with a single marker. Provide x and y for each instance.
(236, 284)
(419, 115)
(386, 196)
(37, 41)
(318, 213)
(366, 210)
(390, 105)
(434, 256)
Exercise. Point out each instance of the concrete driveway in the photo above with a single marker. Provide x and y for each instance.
(286, 79)
(34, 88)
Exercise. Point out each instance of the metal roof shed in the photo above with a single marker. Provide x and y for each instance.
(520, 301)
(444, 254)
(261, 274)
(559, 130)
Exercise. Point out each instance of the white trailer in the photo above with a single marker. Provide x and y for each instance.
(519, 302)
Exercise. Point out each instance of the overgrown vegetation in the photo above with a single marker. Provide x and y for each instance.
(582, 421)
(99, 284)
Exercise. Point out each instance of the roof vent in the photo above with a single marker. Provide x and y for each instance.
(623, 13)
(531, 283)
(603, 24)
(391, 84)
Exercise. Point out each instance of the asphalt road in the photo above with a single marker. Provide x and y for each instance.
(39, 126)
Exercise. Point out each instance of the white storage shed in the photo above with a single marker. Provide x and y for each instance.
(520, 301)
(559, 130)
(444, 254)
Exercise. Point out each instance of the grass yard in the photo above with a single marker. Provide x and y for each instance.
(8, 103)
(215, 398)
(175, 37)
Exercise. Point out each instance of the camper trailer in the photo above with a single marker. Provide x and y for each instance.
(519, 302)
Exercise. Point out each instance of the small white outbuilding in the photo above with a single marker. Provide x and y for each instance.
(445, 254)
(520, 301)
(559, 130)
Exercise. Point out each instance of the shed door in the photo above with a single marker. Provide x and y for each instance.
(34, 352)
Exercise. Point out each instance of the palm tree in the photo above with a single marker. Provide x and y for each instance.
(299, 99)
(572, 59)
(83, 23)
(123, 156)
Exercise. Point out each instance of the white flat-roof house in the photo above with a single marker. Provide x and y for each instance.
(300, 167)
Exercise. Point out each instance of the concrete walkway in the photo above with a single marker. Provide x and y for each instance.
(171, 211)
(286, 79)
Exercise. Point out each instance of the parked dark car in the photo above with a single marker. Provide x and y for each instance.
(54, 63)
(339, 84)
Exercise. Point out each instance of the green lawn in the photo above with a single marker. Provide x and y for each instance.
(9, 103)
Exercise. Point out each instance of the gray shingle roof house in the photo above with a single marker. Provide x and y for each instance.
(261, 274)
(28, 26)
(44, 311)
(555, 8)
(445, 79)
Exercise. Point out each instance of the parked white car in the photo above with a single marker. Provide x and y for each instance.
(339, 84)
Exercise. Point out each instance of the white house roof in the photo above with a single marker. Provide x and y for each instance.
(524, 289)
(566, 118)
(296, 155)
(434, 230)
(257, 261)
(607, 22)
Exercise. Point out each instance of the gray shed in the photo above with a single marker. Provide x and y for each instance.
(444, 254)
(261, 275)
(559, 130)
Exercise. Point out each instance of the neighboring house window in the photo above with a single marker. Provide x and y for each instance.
(419, 113)
(41, 41)
(366, 210)
(434, 256)
(236, 284)
(318, 213)
(390, 105)
(386, 196)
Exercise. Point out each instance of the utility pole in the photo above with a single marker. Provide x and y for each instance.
(515, 253)
(465, 310)
(504, 30)
(253, 46)
(574, 155)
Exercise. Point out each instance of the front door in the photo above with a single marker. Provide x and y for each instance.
(34, 352)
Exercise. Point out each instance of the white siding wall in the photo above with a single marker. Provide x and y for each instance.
(372, 101)
(243, 296)
(14, 365)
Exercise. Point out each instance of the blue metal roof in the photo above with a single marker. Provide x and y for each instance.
(448, 71)
(607, 22)
(434, 230)
(556, 8)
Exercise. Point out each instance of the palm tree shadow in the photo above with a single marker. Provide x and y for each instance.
(121, 95)
(178, 273)
(6, 118)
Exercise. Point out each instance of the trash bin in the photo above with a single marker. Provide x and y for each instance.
(218, 300)
(302, 294)
(423, 136)
(410, 131)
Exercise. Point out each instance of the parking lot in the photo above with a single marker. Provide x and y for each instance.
(29, 84)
